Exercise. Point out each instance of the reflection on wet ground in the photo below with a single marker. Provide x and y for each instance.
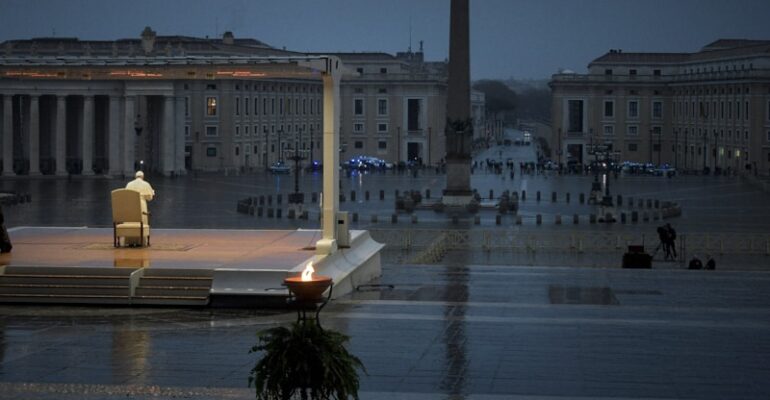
(432, 332)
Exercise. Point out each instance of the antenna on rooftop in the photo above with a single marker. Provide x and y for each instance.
(410, 33)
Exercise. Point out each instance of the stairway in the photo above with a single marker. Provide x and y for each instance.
(80, 285)
(177, 287)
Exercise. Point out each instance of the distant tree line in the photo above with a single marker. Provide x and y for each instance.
(530, 100)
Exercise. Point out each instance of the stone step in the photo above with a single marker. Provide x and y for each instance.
(178, 272)
(62, 299)
(171, 300)
(82, 280)
(194, 291)
(56, 289)
(184, 281)
(86, 271)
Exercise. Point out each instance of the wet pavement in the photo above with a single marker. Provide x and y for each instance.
(459, 330)
(429, 332)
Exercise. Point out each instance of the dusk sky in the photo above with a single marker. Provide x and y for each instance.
(519, 39)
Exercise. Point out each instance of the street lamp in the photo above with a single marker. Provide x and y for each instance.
(676, 148)
(296, 198)
(649, 145)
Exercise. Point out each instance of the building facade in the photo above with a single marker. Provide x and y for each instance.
(110, 107)
(695, 111)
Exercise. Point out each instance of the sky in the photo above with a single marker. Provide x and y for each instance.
(521, 39)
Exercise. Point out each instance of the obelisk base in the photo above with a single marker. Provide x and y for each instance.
(458, 192)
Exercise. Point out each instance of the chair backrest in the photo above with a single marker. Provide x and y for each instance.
(126, 206)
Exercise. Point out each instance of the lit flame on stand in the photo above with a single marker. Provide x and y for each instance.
(307, 274)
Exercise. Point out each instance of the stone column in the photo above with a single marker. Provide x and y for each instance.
(331, 156)
(129, 135)
(34, 134)
(459, 127)
(60, 143)
(88, 135)
(167, 154)
(8, 135)
(179, 124)
(113, 139)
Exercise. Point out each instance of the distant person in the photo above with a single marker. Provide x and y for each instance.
(5, 241)
(711, 264)
(143, 187)
(695, 263)
(671, 238)
(663, 243)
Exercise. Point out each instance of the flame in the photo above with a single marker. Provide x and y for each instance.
(307, 274)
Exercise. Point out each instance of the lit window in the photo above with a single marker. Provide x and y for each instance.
(211, 106)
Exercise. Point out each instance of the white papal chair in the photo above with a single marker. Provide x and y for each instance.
(129, 217)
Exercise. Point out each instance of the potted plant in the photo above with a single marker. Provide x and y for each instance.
(304, 362)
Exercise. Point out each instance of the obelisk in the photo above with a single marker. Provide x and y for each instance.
(459, 126)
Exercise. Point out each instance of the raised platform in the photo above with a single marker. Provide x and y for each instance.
(183, 266)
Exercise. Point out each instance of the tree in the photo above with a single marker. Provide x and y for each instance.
(499, 97)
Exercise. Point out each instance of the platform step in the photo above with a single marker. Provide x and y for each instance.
(69, 299)
(86, 271)
(195, 291)
(62, 279)
(184, 281)
(171, 300)
(105, 290)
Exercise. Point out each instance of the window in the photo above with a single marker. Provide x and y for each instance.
(768, 111)
(382, 145)
(245, 130)
(187, 131)
(632, 147)
(609, 130)
(414, 114)
(382, 107)
(383, 70)
(264, 106)
(211, 106)
(280, 106)
(186, 106)
(358, 144)
(768, 136)
(633, 130)
(360, 70)
(272, 106)
(656, 72)
(358, 90)
(237, 106)
(358, 106)
(382, 128)
(237, 130)
(746, 112)
(211, 87)
(247, 149)
(656, 130)
(737, 110)
(632, 72)
(633, 109)
(382, 90)
(656, 147)
(211, 131)
(246, 105)
(609, 109)
(304, 106)
(607, 72)
(657, 109)
(211, 151)
(256, 149)
(575, 115)
(358, 128)
(237, 150)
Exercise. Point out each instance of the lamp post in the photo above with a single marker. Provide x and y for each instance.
(660, 133)
(296, 198)
(312, 147)
(264, 149)
(676, 148)
(398, 145)
(649, 145)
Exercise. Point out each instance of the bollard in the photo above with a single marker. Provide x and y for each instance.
(537, 195)
(374, 218)
(582, 198)
(622, 218)
(427, 193)
(476, 220)
(414, 218)
(575, 219)
(523, 195)
(557, 219)
(498, 219)
(538, 219)
(382, 195)
(352, 195)
(491, 194)
(278, 198)
(394, 218)
(553, 197)
(518, 220)
(620, 200)
(290, 214)
(567, 197)
(278, 212)
(366, 195)
(592, 218)
(355, 217)
(270, 213)
(634, 216)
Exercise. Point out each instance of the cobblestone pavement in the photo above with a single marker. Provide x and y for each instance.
(475, 332)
